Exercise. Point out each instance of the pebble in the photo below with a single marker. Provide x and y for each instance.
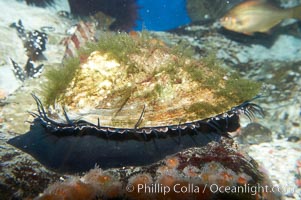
(293, 138)
(255, 133)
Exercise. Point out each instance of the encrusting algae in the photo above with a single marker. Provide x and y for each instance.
(123, 76)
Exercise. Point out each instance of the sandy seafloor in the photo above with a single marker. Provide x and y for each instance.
(277, 147)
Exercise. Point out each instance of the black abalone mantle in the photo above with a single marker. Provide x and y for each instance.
(77, 146)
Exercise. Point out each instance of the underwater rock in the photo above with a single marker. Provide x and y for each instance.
(25, 179)
(128, 93)
(255, 133)
(194, 173)
(293, 138)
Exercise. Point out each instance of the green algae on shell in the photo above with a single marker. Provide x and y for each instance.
(114, 80)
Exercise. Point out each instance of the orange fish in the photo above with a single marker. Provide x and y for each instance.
(253, 16)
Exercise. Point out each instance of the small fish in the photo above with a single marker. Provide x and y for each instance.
(20, 29)
(34, 42)
(253, 16)
(30, 71)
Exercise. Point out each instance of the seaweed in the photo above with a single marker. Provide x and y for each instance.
(146, 61)
(58, 80)
(238, 89)
(117, 45)
(201, 108)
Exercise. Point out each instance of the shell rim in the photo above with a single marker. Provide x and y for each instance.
(73, 127)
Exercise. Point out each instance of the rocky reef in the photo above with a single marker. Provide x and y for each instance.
(216, 171)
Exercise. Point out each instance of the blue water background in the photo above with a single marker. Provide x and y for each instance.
(161, 15)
